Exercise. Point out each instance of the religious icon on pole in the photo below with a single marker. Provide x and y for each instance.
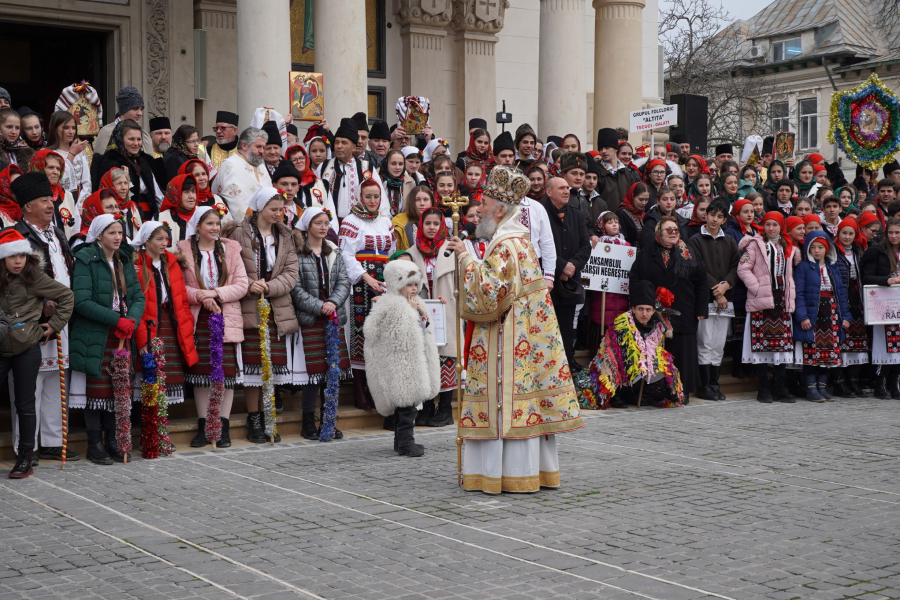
(784, 145)
(307, 96)
(412, 114)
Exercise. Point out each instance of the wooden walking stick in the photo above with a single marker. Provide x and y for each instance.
(454, 202)
(63, 398)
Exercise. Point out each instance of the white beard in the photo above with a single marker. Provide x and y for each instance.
(255, 160)
(164, 147)
(487, 227)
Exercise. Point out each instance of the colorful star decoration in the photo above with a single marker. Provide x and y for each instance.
(865, 123)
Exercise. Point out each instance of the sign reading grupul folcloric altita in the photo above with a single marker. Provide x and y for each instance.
(608, 267)
(653, 118)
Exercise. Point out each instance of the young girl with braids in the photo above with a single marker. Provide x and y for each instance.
(167, 314)
(108, 305)
(270, 260)
(367, 240)
(215, 281)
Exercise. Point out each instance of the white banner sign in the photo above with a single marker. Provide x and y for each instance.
(882, 304)
(608, 267)
(653, 118)
(437, 316)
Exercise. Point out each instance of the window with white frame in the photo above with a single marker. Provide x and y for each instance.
(781, 113)
(809, 123)
(786, 49)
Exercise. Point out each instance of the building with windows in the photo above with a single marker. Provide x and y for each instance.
(554, 62)
(808, 48)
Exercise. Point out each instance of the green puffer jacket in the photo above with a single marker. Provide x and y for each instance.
(93, 285)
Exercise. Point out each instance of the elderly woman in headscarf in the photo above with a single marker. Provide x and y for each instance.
(320, 295)
(116, 180)
(669, 263)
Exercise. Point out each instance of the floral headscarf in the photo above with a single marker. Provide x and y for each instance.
(204, 196)
(694, 194)
(106, 183)
(628, 203)
(770, 183)
(486, 159)
(756, 186)
(8, 205)
(92, 208)
(180, 144)
(804, 187)
(854, 199)
(430, 247)
(39, 163)
(173, 199)
(679, 246)
(117, 142)
(359, 207)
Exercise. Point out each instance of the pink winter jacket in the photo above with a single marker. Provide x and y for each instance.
(229, 295)
(753, 270)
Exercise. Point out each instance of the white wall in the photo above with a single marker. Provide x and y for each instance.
(517, 64)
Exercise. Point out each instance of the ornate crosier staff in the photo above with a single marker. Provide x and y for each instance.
(454, 202)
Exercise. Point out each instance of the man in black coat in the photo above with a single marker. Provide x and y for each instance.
(573, 249)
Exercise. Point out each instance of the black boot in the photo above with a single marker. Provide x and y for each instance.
(425, 414)
(894, 382)
(821, 383)
(256, 434)
(112, 446)
(404, 439)
(812, 387)
(764, 394)
(853, 381)
(55, 453)
(199, 440)
(225, 438)
(96, 452)
(738, 369)
(308, 429)
(23, 467)
(390, 423)
(841, 389)
(443, 416)
(714, 371)
(704, 391)
(881, 383)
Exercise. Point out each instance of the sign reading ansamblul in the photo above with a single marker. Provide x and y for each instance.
(653, 118)
(608, 267)
(882, 304)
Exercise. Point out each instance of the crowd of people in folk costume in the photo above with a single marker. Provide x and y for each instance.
(143, 234)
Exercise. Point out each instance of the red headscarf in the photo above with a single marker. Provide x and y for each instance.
(173, 200)
(93, 207)
(847, 222)
(39, 163)
(792, 222)
(106, 183)
(8, 205)
(485, 159)
(810, 218)
(649, 167)
(204, 196)
(704, 168)
(778, 217)
(307, 176)
(736, 210)
(430, 247)
(628, 203)
(694, 219)
(865, 219)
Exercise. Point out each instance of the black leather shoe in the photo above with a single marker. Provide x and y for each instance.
(842, 390)
(764, 395)
(308, 429)
(225, 438)
(255, 432)
(199, 440)
(23, 467)
(97, 454)
(414, 450)
(55, 453)
(881, 390)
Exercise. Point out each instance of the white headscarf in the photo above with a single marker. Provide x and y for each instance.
(144, 233)
(324, 141)
(262, 196)
(430, 148)
(98, 226)
(407, 150)
(191, 228)
(308, 215)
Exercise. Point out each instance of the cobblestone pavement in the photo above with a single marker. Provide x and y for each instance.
(731, 499)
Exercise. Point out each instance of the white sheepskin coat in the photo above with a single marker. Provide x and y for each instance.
(402, 364)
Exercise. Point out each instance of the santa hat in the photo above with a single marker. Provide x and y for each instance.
(13, 243)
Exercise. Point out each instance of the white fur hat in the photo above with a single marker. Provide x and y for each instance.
(400, 273)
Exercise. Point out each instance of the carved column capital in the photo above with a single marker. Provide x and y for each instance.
(481, 16)
(431, 13)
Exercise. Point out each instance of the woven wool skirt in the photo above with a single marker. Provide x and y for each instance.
(174, 367)
(251, 356)
(314, 345)
(199, 374)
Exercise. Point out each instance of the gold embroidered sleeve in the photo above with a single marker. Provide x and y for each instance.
(490, 286)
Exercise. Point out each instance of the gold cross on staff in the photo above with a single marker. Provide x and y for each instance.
(455, 202)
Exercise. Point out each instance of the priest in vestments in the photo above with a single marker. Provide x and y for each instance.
(519, 391)
(242, 173)
(226, 130)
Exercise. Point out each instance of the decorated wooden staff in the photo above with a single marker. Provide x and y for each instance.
(332, 378)
(268, 388)
(166, 447)
(455, 202)
(63, 399)
(216, 378)
(120, 372)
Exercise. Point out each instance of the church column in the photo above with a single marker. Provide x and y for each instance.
(423, 30)
(263, 56)
(561, 90)
(617, 74)
(340, 30)
(475, 24)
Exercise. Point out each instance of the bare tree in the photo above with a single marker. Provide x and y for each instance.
(704, 55)
(888, 20)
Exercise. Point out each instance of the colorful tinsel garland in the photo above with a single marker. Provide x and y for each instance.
(149, 407)
(865, 123)
(216, 377)
(268, 386)
(166, 447)
(120, 373)
(333, 376)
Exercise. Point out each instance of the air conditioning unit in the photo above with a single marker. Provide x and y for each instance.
(756, 52)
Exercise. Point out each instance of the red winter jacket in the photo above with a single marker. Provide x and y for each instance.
(184, 320)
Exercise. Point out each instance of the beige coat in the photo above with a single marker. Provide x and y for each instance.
(284, 278)
(443, 287)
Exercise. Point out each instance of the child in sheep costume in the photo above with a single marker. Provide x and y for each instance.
(402, 363)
